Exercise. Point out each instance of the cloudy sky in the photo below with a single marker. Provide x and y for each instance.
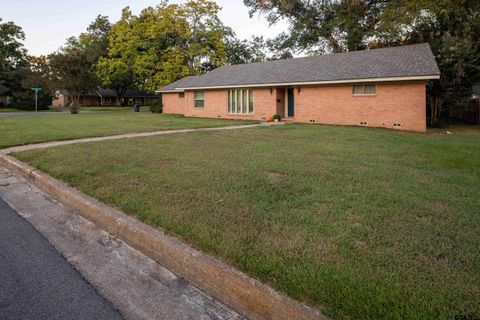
(48, 23)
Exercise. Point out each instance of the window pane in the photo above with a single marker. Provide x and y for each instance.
(369, 89)
(199, 103)
(358, 89)
(239, 96)
(234, 102)
(198, 95)
(244, 101)
(229, 102)
(250, 101)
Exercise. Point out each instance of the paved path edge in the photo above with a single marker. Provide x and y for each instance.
(50, 144)
(230, 286)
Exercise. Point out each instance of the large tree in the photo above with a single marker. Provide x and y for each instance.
(452, 28)
(321, 25)
(73, 66)
(116, 69)
(37, 74)
(256, 49)
(163, 44)
(13, 56)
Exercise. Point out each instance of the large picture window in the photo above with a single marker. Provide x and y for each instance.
(364, 89)
(240, 101)
(199, 99)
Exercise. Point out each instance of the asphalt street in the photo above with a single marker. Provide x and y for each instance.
(36, 282)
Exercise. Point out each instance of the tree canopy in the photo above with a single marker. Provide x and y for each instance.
(13, 56)
(73, 66)
(163, 44)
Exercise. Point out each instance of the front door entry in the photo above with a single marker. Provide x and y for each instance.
(291, 103)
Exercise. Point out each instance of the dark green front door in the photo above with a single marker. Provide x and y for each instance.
(291, 104)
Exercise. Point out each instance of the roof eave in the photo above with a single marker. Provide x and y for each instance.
(170, 91)
(306, 83)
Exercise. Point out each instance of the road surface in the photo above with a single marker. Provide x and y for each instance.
(36, 282)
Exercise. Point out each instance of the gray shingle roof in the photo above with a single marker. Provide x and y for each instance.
(405, 61)
(184, 82)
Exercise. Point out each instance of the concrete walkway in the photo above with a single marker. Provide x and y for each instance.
(121, 136)
(136, 285)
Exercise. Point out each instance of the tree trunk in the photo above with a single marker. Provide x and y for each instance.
(436, 103)
(74, 103)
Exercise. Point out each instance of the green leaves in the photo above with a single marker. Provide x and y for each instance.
(13, 56)
(73, 66)
(162, 44)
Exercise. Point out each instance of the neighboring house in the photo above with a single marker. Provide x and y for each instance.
(106, 97)
(5, 98)
(375, 88)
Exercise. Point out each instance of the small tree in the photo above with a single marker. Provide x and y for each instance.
(72, 70)
(73, 67)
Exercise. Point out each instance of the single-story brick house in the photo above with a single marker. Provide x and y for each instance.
(375, 88)
(106, 97)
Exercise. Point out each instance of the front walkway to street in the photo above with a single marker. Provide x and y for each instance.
(121, 136)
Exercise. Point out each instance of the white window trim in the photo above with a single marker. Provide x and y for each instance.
(233, 95)
(364, 94)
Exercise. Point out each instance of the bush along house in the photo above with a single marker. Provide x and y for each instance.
(375, 88)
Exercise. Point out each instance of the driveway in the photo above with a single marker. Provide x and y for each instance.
(35, 280)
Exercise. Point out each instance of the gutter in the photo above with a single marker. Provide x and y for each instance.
(390, 79)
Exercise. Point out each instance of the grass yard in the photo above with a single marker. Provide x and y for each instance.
(360, 223)
(112, 108)
(20, 110)
(32, 129)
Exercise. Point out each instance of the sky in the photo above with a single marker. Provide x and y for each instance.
(47, 23)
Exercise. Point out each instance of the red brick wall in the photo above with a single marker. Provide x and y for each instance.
(172, 103)
(216, 105)
(403, 103)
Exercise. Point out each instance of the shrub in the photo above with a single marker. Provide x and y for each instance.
(25, 100)
(277, 117)
(156, 106)
(74, 108)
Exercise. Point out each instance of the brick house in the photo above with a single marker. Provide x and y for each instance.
(106, 97)
(375, 88)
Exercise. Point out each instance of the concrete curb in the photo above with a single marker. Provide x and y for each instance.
(230, 286)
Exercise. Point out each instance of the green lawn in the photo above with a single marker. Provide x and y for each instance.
(112, 108)
(360, 223)
(31, 129)
(20, 110)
